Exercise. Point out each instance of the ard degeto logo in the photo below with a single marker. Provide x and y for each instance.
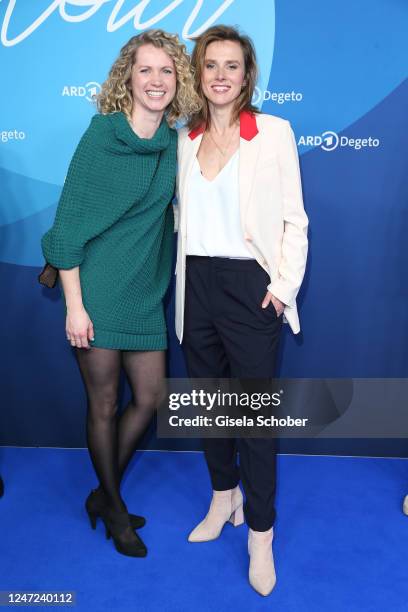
(9, 135)
(88, 91)
(329, 141)
(279, 97)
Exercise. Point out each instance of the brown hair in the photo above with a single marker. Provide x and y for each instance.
(244, 100)
(116, 94)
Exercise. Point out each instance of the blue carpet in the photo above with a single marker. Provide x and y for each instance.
(341, 540)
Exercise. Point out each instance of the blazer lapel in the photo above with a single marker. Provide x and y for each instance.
(249, 148)
(248, 159)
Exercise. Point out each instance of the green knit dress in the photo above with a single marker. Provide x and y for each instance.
(115, 221)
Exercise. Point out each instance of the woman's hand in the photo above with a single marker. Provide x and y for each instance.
(79, 328)
(277, 304)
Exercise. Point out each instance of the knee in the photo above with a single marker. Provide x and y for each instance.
(149, 402)
(103, 406)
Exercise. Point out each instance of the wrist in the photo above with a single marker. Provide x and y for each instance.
(74, 306)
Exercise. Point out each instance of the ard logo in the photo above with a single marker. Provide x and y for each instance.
(88, 91)
(328, 141)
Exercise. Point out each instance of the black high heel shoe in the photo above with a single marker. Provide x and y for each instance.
(95, 504)
(116, 523)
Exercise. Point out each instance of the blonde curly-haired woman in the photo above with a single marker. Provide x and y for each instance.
(112, 244)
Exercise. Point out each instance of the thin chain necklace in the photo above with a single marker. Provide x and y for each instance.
(225, 151)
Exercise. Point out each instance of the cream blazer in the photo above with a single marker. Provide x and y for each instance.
(274, 223)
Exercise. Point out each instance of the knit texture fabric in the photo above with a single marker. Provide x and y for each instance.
(115, 221)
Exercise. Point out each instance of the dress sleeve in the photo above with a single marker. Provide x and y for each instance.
(82, 213)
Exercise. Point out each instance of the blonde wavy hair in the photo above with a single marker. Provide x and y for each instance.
(116, 92)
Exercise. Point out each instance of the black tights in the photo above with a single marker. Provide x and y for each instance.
(112, 441)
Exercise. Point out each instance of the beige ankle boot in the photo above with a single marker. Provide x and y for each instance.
(262, 575)
(225, 506)
(405, 506)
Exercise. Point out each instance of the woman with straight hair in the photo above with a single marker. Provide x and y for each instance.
(112, 243)
(241, 259)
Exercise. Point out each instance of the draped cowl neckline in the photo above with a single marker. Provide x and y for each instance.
(124, 132)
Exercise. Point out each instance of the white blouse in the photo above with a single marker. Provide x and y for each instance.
(213, 215)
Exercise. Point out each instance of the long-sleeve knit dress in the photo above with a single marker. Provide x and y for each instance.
(115, 221)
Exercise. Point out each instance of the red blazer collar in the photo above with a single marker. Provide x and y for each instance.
(247, 124)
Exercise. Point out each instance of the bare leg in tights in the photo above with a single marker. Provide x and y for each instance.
(145, 372)
(111, 442)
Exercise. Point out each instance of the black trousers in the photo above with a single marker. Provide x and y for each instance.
(228, 335)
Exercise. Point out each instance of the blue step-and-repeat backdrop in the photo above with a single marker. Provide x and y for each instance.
(336, 69)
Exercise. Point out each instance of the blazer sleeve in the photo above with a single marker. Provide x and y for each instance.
(82, 212)
(176, 208)
(294, 243)
(181, 134)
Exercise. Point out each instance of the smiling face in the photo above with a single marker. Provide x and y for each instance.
(153, 79)
(223, 73)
